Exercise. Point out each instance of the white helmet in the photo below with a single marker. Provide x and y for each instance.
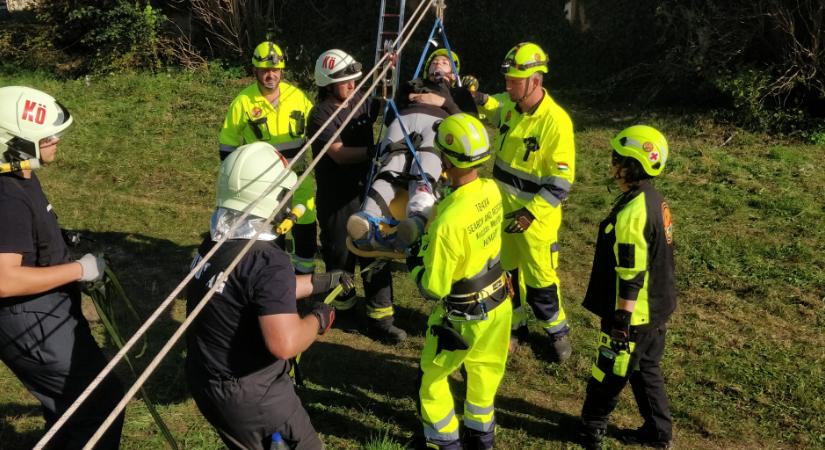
(247, 173)
(28, 116)
(335, 66)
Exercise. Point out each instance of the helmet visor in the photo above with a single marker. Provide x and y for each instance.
(510, 63)
(271, 56)
(348, 71)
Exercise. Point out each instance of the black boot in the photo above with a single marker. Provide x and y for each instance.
(383, 330)
(478, 440)
(592, 437)
(644, 437)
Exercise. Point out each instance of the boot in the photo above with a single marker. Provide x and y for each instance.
(560, 348)
(478, 440)
(383, 330)
(643, 437)
(520, 335)
(591, 437)
(346, 320)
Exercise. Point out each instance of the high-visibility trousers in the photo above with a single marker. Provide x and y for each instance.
(484, 363)
(535, 255)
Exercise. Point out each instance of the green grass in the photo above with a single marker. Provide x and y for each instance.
(744, 364)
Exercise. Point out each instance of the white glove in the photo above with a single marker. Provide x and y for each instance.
(93, 267)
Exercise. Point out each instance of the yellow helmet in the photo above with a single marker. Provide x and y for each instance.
(524, 60)
(441, 52)
(268, 55)
(644, 144)
(463, 140)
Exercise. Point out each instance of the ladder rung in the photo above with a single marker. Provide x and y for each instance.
(389, 33)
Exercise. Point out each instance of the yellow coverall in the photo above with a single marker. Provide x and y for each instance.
(462, 243)
(535, 167)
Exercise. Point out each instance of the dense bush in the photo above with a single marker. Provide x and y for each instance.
(110, 34)
(762, 60)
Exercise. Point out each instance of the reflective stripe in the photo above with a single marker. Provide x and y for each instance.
(597, 373)
(432, 433)
(478, 410)
(553, 329)
(227, 148)
(303, 265)
(379, 313)
(551, 188)
(344, 304)
(484, 427)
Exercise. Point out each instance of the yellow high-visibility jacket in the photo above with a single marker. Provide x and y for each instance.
(535, 154)
(462, 239)
(252, 118)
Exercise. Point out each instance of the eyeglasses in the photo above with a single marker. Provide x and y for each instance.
(511, 62)
(271, 56)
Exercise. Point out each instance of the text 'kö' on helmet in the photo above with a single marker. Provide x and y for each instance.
(27, 117)
(335, 66)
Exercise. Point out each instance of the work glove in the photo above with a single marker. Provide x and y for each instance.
(620, 330)
(325, 315)
(327, 281)
(93, 267)
(471, 83)
(522, 219)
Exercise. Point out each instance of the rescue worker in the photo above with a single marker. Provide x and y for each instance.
(44, 338)
(421, 103)
(631, 289)
(341, 174)
(535, 167)
(458, 267)
(274, 111)
(237, 364)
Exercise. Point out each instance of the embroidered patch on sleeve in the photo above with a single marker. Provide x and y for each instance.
(667, 221)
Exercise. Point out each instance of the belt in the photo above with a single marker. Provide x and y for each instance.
(475, 306)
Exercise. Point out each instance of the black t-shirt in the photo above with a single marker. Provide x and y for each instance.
(28, 226)
(456, 99)
(340, 183)
(226, 340)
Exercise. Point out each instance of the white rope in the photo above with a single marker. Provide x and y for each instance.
(162, 307)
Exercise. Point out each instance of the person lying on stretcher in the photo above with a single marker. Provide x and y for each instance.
(401, 193)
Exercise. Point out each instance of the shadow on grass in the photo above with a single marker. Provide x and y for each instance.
(11, 439)
(148, 268)
(518, 414)
(384, 384)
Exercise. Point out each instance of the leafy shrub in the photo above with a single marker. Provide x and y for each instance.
(113, 34)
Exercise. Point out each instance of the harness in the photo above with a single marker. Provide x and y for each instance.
(472, 298)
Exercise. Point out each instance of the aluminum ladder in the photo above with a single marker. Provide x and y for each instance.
(390, 24)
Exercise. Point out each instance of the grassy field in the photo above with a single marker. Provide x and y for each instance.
(744, 362)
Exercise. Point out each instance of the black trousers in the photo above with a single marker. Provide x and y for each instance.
(648, 386)
(47, 343)
(246, 411)
(332, 217)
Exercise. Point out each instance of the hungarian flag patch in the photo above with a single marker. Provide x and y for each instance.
(563, 166)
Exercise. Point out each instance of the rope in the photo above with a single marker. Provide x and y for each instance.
(101, 294)
(168, 346)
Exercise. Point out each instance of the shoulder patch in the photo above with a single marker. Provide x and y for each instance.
(667, 221)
